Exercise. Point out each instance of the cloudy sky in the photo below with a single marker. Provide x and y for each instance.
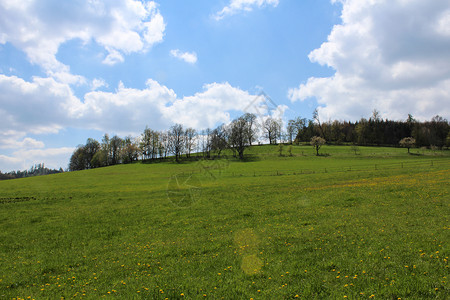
(75, 69)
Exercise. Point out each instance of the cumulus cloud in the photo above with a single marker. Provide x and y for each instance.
(44, 105)
(388, 55)
(98, 83)
(236, 6)
(189, 57)
(26, 143)
(40, 106)
(39, 28)
(23, 159)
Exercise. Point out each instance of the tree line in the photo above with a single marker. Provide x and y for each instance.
(36, 170)
(158, 145)
(242, 132)
(372, 132)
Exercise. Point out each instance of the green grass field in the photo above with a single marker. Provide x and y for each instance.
(371, 225)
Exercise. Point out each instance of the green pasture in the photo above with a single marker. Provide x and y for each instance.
(375, 224)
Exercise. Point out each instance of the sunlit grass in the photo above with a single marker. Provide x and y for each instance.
(372, 225)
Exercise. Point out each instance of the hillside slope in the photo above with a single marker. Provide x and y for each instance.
(374, 224)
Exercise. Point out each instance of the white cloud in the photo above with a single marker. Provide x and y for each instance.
(43, 106)
(39, 28)
(28, 151)
(189, 57)
(98, 83)
(209, 107)
(388, 55)
(113, 57)
(46, 106)
(26, 143)
(23, 159)
(236, 6)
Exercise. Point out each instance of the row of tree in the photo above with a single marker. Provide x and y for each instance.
(176, 141)
(35, 170)
(248, 129)
(373, 131)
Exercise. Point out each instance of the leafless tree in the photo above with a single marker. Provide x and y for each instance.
(317, 119)
(219, 139)
(176, 141)
(163, 148)
(272, 128)
(239, 136)
(190, 135)
(252, 127)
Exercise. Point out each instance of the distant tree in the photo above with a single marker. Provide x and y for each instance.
(447, 140)
(176, 141)
(440, 128)
(219, 139)
(354, 148)
(317, 119)
(115, 145)
(164, 147)
(410, 119)
(190, 136)
(290, 150)
(106, 148)
(130, 150)
(361, 129)
(100, 159)
(407, 142)
(91, 147)
(146, 143)
(252, 127)
(207, 142)
(78, 160)
(280, 149)
(298, 125)
(375, 116)
(6, 176)
(36, 170)
(239, 136)
(272, 128)
(317, 142)
(291, 130)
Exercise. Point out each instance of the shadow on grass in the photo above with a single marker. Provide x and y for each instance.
(416, 154)
(249, 158)
(323, 154)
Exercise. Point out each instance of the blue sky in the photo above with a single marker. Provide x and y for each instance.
(70, 70)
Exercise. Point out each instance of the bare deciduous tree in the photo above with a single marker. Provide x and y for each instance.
(176, 140)
(272, 128)
(252, 127)
(239, 136)
(219, 139)
(190, 137)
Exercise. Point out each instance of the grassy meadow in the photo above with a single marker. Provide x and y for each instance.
(375, 224)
